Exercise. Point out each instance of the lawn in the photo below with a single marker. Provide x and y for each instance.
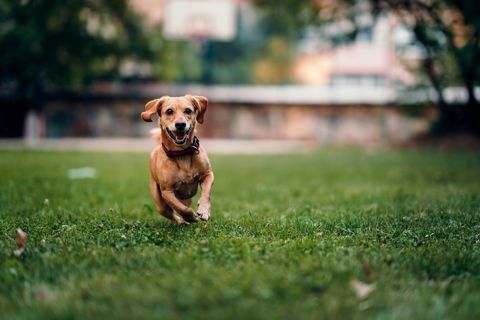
(288, 236)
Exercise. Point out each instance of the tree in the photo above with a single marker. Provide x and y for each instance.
(62, 44)
(445, 29)
(448, 31)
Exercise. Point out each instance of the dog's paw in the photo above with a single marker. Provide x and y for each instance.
(204, 214)
(178, 220)
(190, 216)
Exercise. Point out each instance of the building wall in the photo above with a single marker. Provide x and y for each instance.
(324, 124)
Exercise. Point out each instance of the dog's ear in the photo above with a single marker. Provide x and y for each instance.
(153, 107)
(200, 103)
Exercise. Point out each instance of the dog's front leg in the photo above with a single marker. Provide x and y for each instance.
(203, 206)
(187, 213)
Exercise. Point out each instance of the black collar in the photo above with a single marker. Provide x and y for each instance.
(192, 149)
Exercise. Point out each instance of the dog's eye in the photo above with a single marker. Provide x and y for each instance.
(188, 111)
(169, 112)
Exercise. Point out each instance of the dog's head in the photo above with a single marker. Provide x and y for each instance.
(177, 115)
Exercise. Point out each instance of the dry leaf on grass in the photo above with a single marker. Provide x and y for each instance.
(21, 242)
(361, 289)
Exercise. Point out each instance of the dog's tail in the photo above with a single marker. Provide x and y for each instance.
(156, 134)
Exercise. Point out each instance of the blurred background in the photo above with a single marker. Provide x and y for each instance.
(367, 73)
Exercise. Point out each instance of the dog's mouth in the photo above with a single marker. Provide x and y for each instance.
(179, 137)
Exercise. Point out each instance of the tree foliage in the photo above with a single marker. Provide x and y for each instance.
(448, 32)
(443, 26)
(64, 43)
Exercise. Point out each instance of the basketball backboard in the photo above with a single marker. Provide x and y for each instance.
(194, 19)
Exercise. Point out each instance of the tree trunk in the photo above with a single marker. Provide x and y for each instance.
(471, 112)
(12, 117)
(469, 81)
(428, 68)
(446, 120)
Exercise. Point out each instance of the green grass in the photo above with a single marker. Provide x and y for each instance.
(288, 235)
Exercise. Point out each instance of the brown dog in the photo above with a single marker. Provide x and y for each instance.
(179, 164)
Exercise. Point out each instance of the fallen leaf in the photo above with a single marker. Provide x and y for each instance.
(361, 289)
(44, 295)
(368, 270)
(21, 242)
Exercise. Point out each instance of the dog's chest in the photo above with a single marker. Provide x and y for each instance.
(187, 177)
(186, 182)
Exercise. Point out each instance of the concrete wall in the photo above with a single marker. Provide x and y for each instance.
(325, 124)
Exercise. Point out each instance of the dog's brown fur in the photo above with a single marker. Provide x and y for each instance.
(174, 181)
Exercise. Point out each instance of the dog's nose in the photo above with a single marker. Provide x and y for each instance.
(180, 125)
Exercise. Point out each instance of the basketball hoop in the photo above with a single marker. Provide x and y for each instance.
(200, 19)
